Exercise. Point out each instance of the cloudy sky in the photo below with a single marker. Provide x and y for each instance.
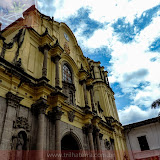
(125, 36)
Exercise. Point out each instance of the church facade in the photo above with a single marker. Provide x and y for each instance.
(53, 98)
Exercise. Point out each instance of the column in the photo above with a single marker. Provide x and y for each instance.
(85, 92)
(55, 115)
(57, 58)
(112, 147)
(115, 109)
(97, 139)
(88, 128)
(92, 99)
(13, 102)
(44, 49)
(93, 72)
(44, 69)
(100, 72)
(98, 143)
(109, 105)
(104, 77)
(39, 108)
(58, 113)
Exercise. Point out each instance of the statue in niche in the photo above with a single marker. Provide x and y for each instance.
(107, 144)
(19, 144)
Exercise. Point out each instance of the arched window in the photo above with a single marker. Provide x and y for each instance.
(67, 75)
(68, 87)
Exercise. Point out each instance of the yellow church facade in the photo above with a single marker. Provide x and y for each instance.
(51, 96)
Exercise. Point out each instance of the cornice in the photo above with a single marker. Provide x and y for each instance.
(23, 76)
(141, 123)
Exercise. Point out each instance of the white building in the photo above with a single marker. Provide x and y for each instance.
(143, 139)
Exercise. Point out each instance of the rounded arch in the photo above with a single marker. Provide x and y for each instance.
(63, 25)
(70, 32)
(17, 131)
(67, 59)
(74, 137)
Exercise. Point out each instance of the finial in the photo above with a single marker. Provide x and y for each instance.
(46, 31)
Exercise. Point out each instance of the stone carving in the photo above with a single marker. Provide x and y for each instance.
(13, 100)
(55, 114)
(66, 48)
(18, 63)
(6, 46)
(71, 115)
(21, 122)
(40, 106)
(109, 120)
(19, 143)
(107, 144)
(69, 91)
(19, 38)
(88, 128)
(100, 136)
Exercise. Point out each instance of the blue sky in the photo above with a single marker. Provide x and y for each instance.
(125, 36)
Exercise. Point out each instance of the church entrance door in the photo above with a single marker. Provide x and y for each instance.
(68, 142)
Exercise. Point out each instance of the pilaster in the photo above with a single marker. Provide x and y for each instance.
(13, 102)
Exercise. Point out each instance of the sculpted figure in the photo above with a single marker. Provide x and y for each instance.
(19, 147)
(18, 144)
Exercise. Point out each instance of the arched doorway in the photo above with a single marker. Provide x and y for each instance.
(68, 142)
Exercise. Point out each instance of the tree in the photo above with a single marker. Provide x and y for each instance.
(156, 103)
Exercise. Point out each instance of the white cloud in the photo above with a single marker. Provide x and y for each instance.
(134, 114)
(127, 59)
(131, 58)
(104, 10)
(66, 8)
(100, 38)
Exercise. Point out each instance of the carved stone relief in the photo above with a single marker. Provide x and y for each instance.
(21, 122)
(71, 115)
(69, 91)
(13, 100)
(66, 48)
(19, 144)
(107, 144)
